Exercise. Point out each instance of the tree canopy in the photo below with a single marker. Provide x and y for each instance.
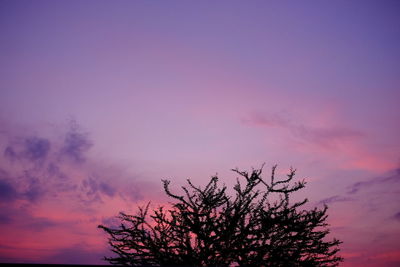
(255, 226)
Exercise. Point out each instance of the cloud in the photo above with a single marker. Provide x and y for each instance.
(397, 216)
(10, 154)
(54, 170)
(35, 189)
(32, 148)
(39, 167)
(325, 137)
(21, 217)
(41, 223)
(356, 187)
(94, 187)
(34, 167)
(75, 146)
(5, 219)
(321, 136)
(36, 148)
(78, 254)
(112, 222)
(344, 146)
(391, 256)
(53, 192)
(7, 191)
(263, 120)
(334, 199)
(29, 188)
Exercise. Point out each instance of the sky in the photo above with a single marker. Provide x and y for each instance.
(100, 100)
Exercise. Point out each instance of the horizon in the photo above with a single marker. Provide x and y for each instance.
(101, 100)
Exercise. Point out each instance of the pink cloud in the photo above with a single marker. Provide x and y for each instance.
(349, 148)
(53, 194)
(364, 217)
(324, 137)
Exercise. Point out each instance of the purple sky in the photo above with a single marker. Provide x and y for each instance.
(100, 100)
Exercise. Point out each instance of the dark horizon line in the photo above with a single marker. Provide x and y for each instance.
(69, 265)
(53, 264)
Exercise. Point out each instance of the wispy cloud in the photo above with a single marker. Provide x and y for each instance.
(353, 190)
(346, 146)
(333, 199)
(321, 136)
(356, 187)
(263, 120)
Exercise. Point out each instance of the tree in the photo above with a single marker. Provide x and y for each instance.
(257, 226)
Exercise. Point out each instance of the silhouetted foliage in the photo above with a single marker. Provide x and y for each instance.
(258, 226)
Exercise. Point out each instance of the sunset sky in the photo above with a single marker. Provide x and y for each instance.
(100, 100)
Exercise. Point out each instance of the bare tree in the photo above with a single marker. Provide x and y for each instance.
(257, 226)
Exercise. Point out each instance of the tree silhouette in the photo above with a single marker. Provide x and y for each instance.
(257, 226)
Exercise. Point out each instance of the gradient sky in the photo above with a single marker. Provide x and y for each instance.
(100, 100)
